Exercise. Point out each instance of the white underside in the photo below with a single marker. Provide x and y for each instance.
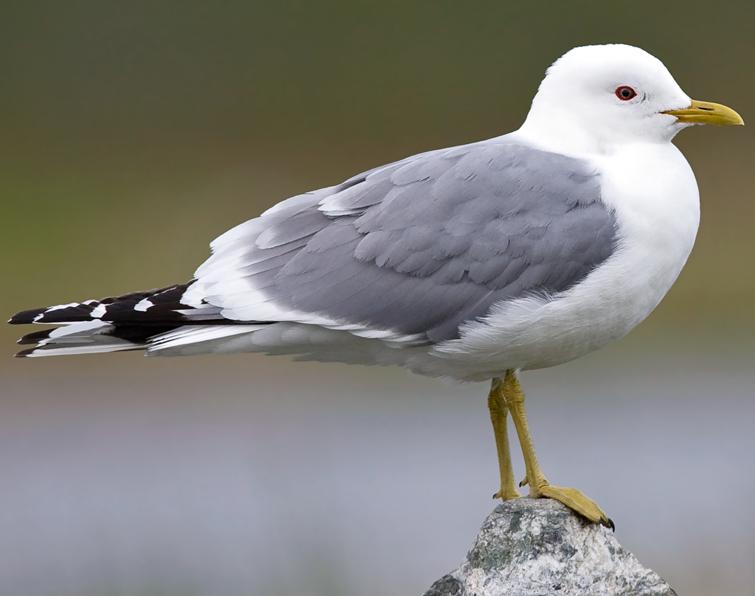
(655, 197)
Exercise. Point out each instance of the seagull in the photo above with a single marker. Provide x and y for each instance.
(472, 263)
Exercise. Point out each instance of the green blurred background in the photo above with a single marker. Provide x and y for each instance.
(134, 133)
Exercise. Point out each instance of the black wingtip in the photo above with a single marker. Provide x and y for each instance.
(25, 316)
(24, 353)
(36, 337)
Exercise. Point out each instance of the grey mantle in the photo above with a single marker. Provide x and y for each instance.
(538, 547)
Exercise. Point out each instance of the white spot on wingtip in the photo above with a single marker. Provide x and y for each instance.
(143, 305)
(98, 311)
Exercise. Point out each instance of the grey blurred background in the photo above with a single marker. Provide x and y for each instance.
(133, 133)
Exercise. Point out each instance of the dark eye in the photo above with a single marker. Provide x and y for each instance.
(625, 93)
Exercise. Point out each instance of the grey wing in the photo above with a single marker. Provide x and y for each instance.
(412, 250)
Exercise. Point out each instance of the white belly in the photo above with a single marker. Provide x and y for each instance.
(655, 196)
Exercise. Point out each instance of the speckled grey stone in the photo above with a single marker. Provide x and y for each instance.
(529, 547)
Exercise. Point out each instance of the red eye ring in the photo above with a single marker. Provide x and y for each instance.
(625, 93)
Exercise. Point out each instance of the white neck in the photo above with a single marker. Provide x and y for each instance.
(559, 133)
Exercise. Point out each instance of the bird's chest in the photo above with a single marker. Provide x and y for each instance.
(654, 195)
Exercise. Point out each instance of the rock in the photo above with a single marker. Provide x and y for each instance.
(539, 547)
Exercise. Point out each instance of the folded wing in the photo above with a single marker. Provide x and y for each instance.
(410, 251)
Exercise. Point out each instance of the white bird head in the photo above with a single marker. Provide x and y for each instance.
(594, 97)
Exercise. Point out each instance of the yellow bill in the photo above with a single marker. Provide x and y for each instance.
(707, 112)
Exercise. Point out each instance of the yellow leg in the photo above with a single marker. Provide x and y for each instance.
(539, 485)
(499, 413)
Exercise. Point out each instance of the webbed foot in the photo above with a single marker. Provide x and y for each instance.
(577, 501)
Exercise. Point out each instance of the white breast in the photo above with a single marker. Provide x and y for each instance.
(655, 197)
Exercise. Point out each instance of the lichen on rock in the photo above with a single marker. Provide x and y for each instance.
(539, 547)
